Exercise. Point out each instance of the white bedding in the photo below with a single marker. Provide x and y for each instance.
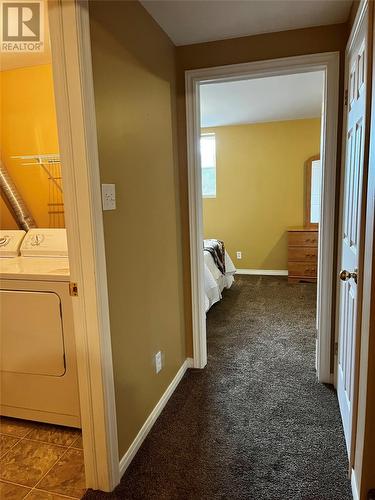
(214, 281)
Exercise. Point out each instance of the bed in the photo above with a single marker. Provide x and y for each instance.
(214, 280)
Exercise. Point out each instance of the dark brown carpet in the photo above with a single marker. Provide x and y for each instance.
(255, 424)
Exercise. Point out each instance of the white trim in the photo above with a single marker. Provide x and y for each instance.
(190, 362)
(263, 272)
(353, 482)
(195, 223)
(147, 426)
(75, 107)
(362, 11)
(329, 63)
(326, 255)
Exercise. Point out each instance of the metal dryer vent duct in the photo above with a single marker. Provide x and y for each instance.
(22, 214)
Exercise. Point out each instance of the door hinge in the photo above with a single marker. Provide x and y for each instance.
(336, 349)
(346, 97)
(73, 289)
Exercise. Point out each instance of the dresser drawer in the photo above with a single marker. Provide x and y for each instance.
(303, 254)
(303, 238)
(298, 269)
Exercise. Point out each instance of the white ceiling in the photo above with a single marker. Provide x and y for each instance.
(195, 21)
(289, 97)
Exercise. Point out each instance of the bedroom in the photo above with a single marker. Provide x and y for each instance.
(261, 178)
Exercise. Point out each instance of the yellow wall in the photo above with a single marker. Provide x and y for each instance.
(260, 188)
(134, 71)
(28, 126)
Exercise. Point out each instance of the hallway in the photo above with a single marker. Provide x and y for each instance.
(255, 424)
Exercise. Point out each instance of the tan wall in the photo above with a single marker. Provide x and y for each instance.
(241, 50)
(134, 83)
(260, 188)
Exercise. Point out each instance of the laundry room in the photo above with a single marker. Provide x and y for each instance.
(41, 451)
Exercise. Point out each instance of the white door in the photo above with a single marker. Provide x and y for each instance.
(350, 229)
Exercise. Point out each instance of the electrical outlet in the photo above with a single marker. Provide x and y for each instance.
(109, 196)
(239, 255)
(158, 362)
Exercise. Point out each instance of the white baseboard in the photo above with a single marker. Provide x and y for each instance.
(353, 481)
(264, 272)
(147, 426)
(190, 362)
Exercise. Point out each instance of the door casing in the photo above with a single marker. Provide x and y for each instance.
(327, 62)
(75, 109)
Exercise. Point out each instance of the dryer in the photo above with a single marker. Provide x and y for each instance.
(38, 355)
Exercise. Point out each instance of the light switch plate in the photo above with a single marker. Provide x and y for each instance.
(109, 196)
(158, 362)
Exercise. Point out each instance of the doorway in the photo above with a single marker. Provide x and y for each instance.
(261, 179)
(328, 64)
(87, 287)
(40, 407)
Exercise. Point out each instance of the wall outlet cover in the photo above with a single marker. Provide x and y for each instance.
(158, 362)
(109, 196)
(239, 255)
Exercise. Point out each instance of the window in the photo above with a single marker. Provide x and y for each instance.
(208, 163)
(316, 182)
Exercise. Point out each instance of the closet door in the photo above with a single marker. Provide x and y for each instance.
(350, 234)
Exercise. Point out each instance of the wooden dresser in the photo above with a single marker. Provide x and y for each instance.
(302, 254)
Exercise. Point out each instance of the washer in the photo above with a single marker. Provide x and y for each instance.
(38, 354)
(10, 242)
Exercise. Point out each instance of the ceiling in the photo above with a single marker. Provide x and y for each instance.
(277, 98)
(195, 21)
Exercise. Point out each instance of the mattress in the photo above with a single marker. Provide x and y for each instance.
(214, 280)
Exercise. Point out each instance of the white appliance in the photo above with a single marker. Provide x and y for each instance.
(38, 357)
(45, 243)
(10, 242)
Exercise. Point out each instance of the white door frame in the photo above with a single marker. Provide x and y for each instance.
(75, 107)
(329, 63)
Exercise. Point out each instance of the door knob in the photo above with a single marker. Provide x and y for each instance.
(346, 275)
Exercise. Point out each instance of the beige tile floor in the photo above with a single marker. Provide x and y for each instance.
(40, 461)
